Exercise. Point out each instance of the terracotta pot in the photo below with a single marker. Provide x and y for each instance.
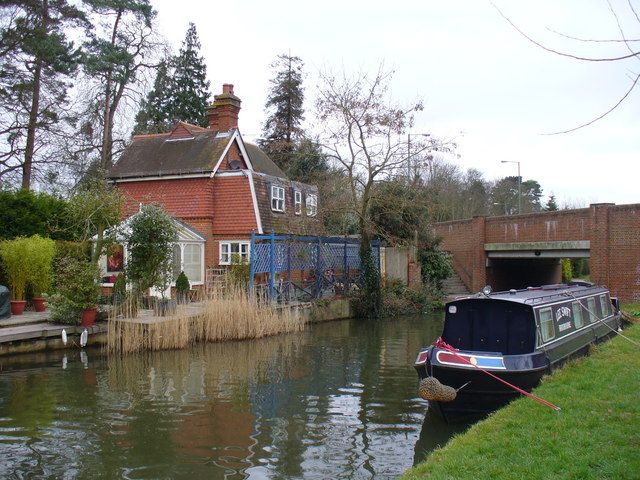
(88, 317)
(17, 307)
(39, 304)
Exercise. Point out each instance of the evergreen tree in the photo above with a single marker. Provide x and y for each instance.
(37, 59)
(189, 88)
(552, 205)
(154, 115)
(284, 140)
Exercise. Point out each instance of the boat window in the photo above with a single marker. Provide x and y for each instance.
(605, 306)
(578, 317)
(591, 306)
(546, 324)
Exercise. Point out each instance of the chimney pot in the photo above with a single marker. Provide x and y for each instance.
(227, 88)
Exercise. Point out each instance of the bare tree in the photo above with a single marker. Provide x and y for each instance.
(364, 135)
(631, 46)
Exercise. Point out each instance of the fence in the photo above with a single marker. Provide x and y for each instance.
(286, 268)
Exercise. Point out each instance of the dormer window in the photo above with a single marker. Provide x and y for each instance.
(312, 205)
(277, 198)
(297, 201)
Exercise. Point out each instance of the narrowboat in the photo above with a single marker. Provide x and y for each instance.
(516, 335)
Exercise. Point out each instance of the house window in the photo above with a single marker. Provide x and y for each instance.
(312, 205)
(188, 258)
(297, 200)
(234, 252)
(546, 325)
(277, 198)
(115, 259)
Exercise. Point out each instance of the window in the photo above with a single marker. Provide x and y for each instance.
(297, 201)
(187, 258)
(578, 318)
(277, 198)
(591, 306)
(191, 262)
(605, 306)
(115, 259)
(312, 205)
(546, 324)
(234, 252)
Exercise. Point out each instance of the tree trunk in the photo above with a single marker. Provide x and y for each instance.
(109, 110)
(35, 106)
(31, 127)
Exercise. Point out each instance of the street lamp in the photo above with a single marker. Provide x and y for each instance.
(519, 184)
(409, 151)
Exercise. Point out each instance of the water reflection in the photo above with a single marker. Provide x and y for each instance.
(336, 401)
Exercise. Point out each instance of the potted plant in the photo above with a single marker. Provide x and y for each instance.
(150, 242)
(182, 288)
(40, 256)
(14, 255)
(77, 291)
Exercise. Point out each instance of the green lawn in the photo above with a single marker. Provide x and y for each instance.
(595, 436)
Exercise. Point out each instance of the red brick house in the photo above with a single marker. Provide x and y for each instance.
(219, 187)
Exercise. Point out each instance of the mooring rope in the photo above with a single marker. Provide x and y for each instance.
(440, 343)
(601, 320)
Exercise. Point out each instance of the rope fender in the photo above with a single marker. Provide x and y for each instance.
(441, 344)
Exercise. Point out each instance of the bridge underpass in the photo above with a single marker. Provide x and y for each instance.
(525, 264)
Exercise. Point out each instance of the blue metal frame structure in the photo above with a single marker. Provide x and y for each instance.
(323, 266)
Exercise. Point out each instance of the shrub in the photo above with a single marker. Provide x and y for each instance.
(26, 213)
(15, 258)
(77, 289)
(567, 272)
(239, 271)
(40, 257)
(436, 266)
(120, 288)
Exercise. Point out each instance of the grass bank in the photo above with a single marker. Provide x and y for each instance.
(595, 436)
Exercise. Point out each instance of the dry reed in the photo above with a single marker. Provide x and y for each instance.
(228, 313)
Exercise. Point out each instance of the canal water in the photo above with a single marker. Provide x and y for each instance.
(336, 401)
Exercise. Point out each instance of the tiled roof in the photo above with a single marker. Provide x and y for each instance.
(188, 149)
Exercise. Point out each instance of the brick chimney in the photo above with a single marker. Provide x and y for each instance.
(223, 114)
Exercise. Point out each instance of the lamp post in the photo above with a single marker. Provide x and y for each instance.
(409, 151)
(519, 184)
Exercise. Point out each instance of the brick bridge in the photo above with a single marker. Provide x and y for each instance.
(522, 250)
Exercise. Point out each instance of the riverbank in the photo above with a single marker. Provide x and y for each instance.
(595, 436)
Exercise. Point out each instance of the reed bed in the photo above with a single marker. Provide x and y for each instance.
(227, 313)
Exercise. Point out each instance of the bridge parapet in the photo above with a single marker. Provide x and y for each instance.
(608, 234)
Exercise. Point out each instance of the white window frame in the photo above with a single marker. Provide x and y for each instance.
(591, 306)
(604, 306)
(297, 202)
(312, 204)
(182, 246)
(277, 198)
(548, 322)
(229, 253)
(578, 313)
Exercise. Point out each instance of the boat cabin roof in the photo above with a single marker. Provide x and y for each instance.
(536, 296)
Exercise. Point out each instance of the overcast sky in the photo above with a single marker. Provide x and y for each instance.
(480, 80)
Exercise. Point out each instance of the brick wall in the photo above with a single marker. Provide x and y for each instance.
(613, 230)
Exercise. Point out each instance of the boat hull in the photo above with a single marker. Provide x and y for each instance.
(480, 393)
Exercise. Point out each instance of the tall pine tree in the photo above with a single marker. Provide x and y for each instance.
(189, 89)
(37, 59)
(180, 91)
(284, 139)
(154, 115)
